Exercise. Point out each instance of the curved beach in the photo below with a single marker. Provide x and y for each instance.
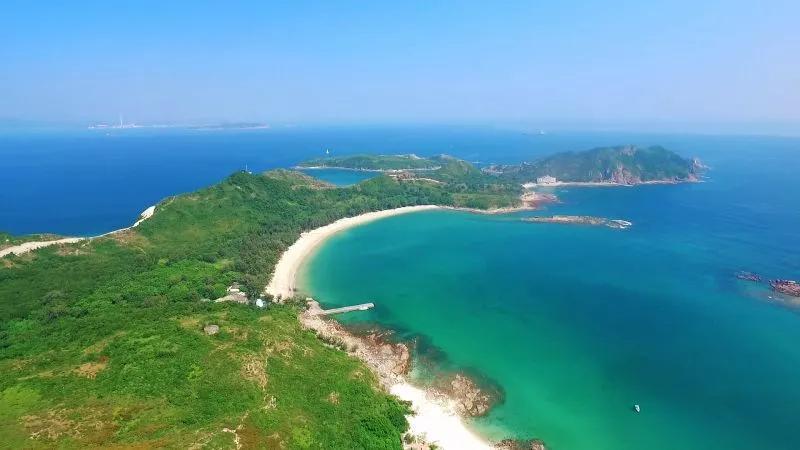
(434, 419)
(282, 285)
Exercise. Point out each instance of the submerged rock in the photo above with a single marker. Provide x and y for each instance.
(470, 399)
(748, 276)
(516, 444)
(393, 357)
(386, 358)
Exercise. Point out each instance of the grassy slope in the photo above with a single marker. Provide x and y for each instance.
(8, 240)
(101, 342)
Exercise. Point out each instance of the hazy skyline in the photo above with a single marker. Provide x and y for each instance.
(729, 63)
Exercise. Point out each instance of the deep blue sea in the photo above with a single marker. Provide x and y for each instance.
(573, 324)
(80, 182)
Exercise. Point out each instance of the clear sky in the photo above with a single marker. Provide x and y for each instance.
(680, 62)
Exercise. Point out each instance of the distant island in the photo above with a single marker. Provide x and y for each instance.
(377, 163)
(619, 165)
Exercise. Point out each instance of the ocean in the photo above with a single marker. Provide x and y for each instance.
(573, 325)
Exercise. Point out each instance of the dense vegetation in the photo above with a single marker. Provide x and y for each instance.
(621, 164)
(102, 342)
(373, 162)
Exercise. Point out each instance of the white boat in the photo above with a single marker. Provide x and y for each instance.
(636, 408)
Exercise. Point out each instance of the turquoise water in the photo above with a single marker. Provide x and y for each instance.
(576, 324)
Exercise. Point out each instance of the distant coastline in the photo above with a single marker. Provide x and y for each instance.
(532, 185)
(358, 169)
(29, 246)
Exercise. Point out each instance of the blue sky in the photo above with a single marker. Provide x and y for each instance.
(593, 62)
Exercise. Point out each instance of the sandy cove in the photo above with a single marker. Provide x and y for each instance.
(26, 247)
(435, 416)
(282, 284)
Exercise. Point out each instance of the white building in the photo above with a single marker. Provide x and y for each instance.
(547, 179)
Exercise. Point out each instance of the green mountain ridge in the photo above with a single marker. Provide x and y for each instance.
(620, 164)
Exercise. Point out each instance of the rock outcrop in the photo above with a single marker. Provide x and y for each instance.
(788, 287)
(386, 358)
(515, 444)
(470, 399)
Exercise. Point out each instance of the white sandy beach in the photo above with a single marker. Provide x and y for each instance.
(434, 418)
(437, 422)
(282, 284)
(26, 247)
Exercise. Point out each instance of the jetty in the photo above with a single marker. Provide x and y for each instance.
(344, 309)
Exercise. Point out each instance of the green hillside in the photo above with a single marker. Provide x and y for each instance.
(102, 342)
(620, 164)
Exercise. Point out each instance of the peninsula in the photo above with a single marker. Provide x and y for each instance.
(611, 166)
(115, 340)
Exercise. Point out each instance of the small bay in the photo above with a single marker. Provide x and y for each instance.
(576, 324)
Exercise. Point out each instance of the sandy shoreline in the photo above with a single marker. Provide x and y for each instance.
(435, 418)
(26, 247)
(282, 284)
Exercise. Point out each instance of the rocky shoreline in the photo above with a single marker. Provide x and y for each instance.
(787, 291)
(788, 287)
(457, 395)
(529, 201)
(582, 220)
